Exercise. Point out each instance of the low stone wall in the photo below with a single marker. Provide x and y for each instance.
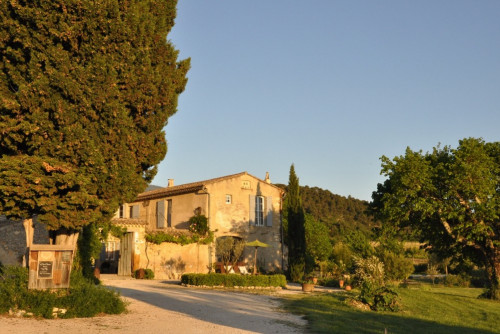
(170, 261)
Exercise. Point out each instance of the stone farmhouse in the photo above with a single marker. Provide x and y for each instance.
(239, 205)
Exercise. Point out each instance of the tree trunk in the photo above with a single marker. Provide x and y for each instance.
(30, 231)
(493, 271)
(64, 237)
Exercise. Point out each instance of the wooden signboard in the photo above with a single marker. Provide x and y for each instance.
(50, 266)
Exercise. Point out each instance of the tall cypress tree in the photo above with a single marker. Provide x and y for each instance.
(296, 229)
(86, 89)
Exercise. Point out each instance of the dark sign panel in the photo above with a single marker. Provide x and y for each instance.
(45, 269)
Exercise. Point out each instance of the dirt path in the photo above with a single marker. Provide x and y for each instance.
(157, 307)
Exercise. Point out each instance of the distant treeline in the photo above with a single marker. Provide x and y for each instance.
(340, 214)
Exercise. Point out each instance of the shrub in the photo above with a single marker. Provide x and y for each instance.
(82, 299)
(462, 280)
(144, 274)
(396, 267)
(198, 224)
(232, 280)
(370, 269)
(13, 287)
(296, 271)
(181, 239)
(379, 298)
(374, 292)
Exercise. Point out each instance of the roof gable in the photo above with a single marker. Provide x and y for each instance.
(191, 187)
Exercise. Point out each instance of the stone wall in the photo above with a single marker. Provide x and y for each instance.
(13, 240)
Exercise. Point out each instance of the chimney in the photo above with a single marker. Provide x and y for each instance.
(170, 183)
(267, 178)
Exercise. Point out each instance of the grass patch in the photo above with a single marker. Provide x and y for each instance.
(425, 309)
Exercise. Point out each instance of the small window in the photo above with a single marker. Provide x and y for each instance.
(245, 185)
(122, 211)
(229, 199)
(169, 213)
(259, 211)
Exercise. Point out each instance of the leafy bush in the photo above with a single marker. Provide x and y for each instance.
(370, 269)
(379, 298)
(181, 239)
(87, 300)
(462, 280)
(232, 280)
(373, 291)
(144, 274)
(416, 253)
(296, 271)
(13, 287)
(82, 299)
(198, 224)
(396, 267)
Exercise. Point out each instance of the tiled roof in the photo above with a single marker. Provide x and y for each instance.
(129, 221)
(185, 188)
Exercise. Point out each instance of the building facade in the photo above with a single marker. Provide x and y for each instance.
(239, 205)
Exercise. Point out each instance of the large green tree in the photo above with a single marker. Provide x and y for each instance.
(86, 88)
(296, 228)
(452, 197)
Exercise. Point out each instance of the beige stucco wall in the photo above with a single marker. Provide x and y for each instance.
(233, 219)
(183, 208)
(170, 261)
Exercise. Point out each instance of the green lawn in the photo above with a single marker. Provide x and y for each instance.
(426, 309)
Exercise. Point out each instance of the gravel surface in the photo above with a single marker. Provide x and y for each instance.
(163, 307)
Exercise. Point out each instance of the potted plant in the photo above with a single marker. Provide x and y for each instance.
(308, 285)
(313, 279)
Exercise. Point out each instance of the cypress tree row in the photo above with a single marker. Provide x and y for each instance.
(296, 229)
(86, 88)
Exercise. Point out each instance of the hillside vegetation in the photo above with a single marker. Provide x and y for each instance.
(337, 212)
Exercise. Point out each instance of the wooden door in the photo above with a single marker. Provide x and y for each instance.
(125, 261)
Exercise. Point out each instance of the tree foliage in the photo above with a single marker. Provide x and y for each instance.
(451, 196)
(338, 213)
(86, 89)
(229, 250)
(296, 228)
(318, 245)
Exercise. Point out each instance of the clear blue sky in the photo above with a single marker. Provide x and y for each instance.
(329, 86)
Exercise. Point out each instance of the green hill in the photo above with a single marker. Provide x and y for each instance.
(337, 212)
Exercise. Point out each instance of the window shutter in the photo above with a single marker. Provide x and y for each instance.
(252, 210)
(269, 211)
(160, 214)
(135, 211)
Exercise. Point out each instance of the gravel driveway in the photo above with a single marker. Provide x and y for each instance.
(159, 307)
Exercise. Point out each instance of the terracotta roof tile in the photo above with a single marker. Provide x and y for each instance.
(129, 221)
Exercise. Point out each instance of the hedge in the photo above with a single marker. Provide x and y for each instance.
(232, 280)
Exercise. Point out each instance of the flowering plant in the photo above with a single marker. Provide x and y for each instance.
(198, 224)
